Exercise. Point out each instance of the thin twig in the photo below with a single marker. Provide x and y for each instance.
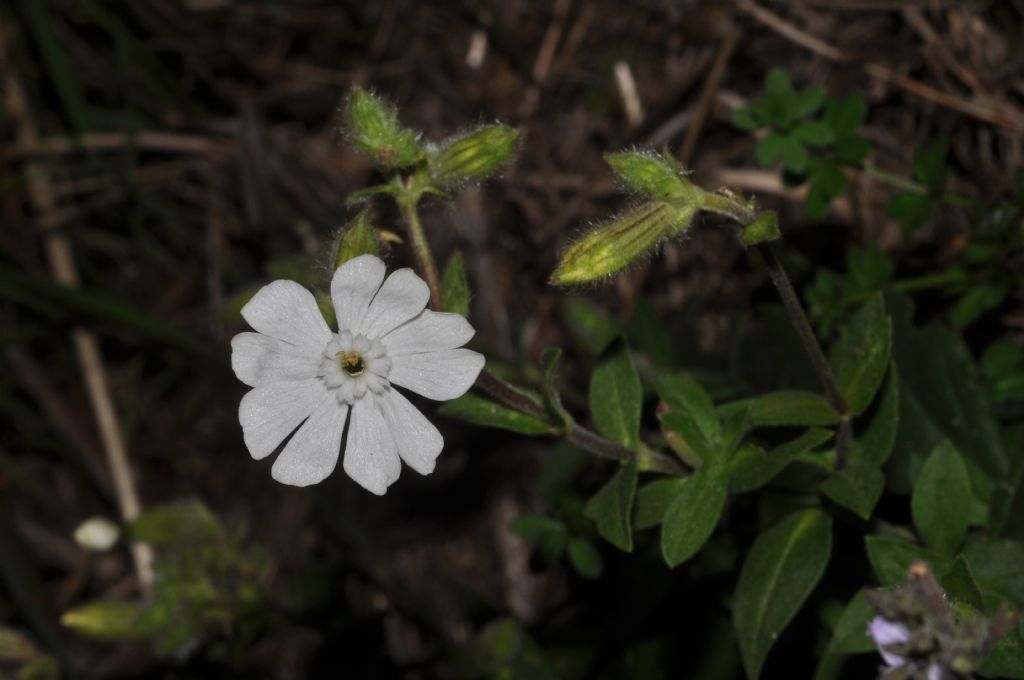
(1004, 115)
(87, 350)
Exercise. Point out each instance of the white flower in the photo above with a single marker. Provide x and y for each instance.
(304, 374)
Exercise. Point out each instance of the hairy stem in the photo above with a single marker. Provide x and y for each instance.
(904, 184)
(797, 317)
(421, 248)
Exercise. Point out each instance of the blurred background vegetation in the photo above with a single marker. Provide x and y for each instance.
(162, 159)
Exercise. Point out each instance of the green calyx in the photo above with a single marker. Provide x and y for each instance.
(616, 245)
(471, 157)
(658, 177)
(372, 125)
(357, 238)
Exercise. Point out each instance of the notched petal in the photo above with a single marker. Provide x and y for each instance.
(403, 296)
(440, 375)
(353, 287)
(287, 311)
(429, 332)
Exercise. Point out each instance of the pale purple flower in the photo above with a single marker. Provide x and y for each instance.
(309, 380)
(886, 633)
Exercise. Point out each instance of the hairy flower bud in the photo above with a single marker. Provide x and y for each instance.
(372, 125)
(762, 230)
(357, 238)
(656, 176)
(614, 246)
(472, 157)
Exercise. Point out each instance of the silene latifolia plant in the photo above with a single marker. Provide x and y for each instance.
(712, 477)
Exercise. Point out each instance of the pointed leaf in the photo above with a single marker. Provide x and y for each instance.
(891, 557)
(783, 567)
(480, 411)
(861, 356)
(958, 583)
(653, 499)
(454, 287)
(611, 507)
(693, 513)
(752, 467)
(616, 397)
(941, 500)
(685, 395)
(856, 487)
(851, 633)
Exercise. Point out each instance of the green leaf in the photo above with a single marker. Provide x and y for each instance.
(1006, 659)
(786, 407)
(480, 411)
(685, 437)
(549, 359)
(861, 356)
(851, 633)
(783, 567)
(693, 513)
(873, 446)
(685, 395)
(752, 467)
(1002, 357)
(996, 566)
(942, 397)
(814, 133)
(590, 325)
(535, 527)
(850, 149)
(913, 210)
(808, 101)
(856, 488)
(867, 270)
(827, 183)
(941, 500)
(769, 148)
(611, 507)
(648, 334)
(454, 287)
(653, 499)
(845, 116)
(794, 155)
(958, 583)
(176, 523)
(616, 397)
(584, 557)
(743, 118)
(978, 300)
(891, 557)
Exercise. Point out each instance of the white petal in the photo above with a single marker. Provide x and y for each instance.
(418, 441)
(403, 296)
(287, 311)
(270, 412)
(371, 458)
(258, 358)
(440, 375)
(352, 288)
(428, 332)
(310, 456)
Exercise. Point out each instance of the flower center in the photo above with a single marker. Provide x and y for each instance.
(352, 363)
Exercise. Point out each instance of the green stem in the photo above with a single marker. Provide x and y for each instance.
(797, 317)
(421, 249)
(724, 204)
(905, 184)
(916, 283)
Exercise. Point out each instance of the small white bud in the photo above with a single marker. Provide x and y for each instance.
(97, 534)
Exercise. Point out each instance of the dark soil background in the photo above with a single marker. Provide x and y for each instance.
(184, 152)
